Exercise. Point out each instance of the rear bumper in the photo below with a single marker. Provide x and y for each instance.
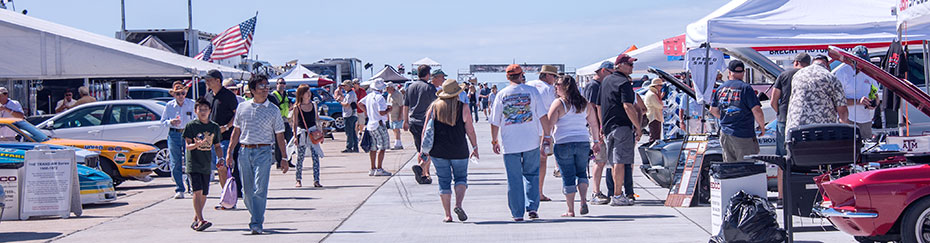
(830, 212)
(853, 223)
(148, 167)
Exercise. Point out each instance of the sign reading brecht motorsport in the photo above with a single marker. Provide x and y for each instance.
(49, 177)
(688, 173)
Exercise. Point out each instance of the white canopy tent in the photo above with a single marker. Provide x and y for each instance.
(37, 49)
(914, 14)
(298, 72)
(426, 61)
(650, 55)
(759, 23)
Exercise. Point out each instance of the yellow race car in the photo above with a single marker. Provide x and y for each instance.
(120, 160)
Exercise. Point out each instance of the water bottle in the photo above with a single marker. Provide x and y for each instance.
(473, 159)
(547, 147)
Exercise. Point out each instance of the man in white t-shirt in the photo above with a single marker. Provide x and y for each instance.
(65, 103)
(9, 108)
(548, 74)
(857, 87)
(377, 109)
(519, 114)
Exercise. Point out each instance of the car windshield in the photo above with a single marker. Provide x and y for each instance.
(31, 131)
(325, 96)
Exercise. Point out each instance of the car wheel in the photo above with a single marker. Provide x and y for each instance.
(339, 122)
(163, 160)
(915, 227)
(704, 186)
(107, 166)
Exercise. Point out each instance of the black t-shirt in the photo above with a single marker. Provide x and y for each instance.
(616, 89)
(223, 106)
(591, 91)
(895, 63)
(783, 83)
(199, 159)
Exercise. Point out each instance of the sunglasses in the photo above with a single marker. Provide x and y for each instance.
(282, 83)
(68, 95)
(263, 86)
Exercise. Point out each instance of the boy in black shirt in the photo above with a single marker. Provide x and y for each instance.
(202, 137)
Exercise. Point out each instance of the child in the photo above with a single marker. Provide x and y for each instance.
(201, 135)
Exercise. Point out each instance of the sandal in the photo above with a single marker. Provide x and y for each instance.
(194, 225)
(544, 199)
(447, 220)
(418, 173)
(461, 214)
(568, 214)
(298, 185)
(203, 225)
(584, 208)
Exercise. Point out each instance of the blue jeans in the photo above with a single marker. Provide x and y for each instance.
(176, 156)
(449, 170)
(254, 168)
(224, 144)
(522, 181)
(351, 135)
(780, 138)
(572, 159)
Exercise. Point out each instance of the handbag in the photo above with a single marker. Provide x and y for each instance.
(228, 197)
(365, 143)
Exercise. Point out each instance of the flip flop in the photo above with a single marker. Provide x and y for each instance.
(545, 199)
(194, 225)
(203, 225)
(584, 209)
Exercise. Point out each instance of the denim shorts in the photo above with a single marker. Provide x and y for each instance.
(450, 170)
(397, 124)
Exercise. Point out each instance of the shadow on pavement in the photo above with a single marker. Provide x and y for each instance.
(292, 209)
(319, 188)
(288, 231)
(27, 236)
(556, 220)
(106, 205)
(291, 198)
(146, 186)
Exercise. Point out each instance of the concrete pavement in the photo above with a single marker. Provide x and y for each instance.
(353, 207)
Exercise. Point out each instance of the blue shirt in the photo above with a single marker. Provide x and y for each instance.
(735, 99)
(463, 97)
(184, 112)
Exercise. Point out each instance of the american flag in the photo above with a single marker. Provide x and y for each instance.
(206, 53)
(234, 41)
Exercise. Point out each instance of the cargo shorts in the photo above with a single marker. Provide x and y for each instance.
(620, 146)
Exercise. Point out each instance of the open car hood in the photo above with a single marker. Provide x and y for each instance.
(908, 91)
(755, 60)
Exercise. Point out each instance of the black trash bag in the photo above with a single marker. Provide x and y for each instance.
(749, 218)
(735, 169)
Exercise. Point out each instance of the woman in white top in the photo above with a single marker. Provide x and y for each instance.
(575, 120)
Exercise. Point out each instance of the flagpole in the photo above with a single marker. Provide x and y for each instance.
(253, 34)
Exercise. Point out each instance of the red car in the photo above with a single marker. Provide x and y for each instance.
(884, 204)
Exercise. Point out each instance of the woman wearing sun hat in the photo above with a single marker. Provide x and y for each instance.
(452, 121)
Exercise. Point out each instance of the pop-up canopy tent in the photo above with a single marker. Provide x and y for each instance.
(154, 42)
(426, 61)
(388, 74)
(761, 23)
(651, 55)
(914, 14)
(37, 49)
(301, 75)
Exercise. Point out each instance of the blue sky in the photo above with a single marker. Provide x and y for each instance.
(454, 33)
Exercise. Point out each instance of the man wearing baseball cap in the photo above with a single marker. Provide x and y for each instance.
(519, 114)
(591, 93)
(736, 106)
(618, 110)
(548, 74)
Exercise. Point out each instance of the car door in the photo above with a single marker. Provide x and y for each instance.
(82, 123)
(134, 123)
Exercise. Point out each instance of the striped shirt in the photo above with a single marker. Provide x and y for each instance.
(258, 123)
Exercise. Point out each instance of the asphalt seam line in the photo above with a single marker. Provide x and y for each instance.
(676, 210)
(366, 200)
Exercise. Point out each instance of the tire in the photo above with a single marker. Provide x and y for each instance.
(163, 160)
(110, 169)
(915, 226)
(704, 185)
(339, 122)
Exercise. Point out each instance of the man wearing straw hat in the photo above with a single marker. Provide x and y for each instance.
(548, 74)
(177, 114)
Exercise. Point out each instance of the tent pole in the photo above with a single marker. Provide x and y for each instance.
(706, 76)
(926, 52)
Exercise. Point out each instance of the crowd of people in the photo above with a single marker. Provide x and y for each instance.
(242, 130)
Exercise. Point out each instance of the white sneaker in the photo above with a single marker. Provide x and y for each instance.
(620, 201)
(178, 195)
(382, 172)
(372, 172)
